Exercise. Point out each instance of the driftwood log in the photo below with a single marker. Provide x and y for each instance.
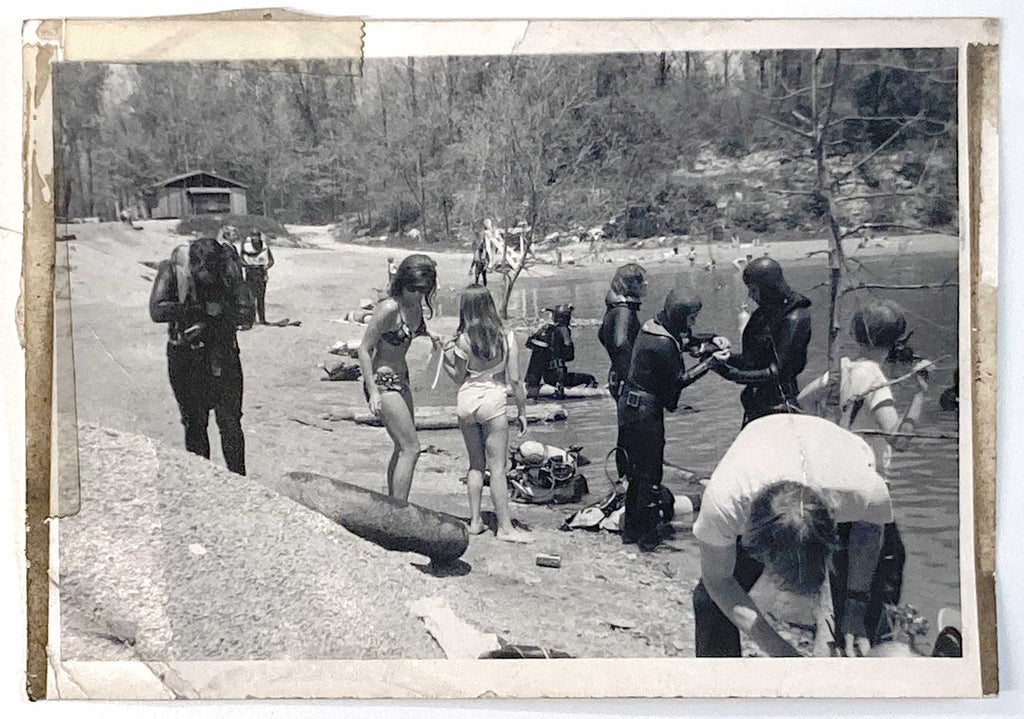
(444, 417)
(391, 523)
(547, 392)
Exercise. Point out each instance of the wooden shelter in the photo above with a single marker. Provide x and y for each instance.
(193, 193)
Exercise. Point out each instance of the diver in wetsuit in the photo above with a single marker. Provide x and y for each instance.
(621, 324)
(551, 351)
(619, 329)
(656, 377)
(775, 343)
(201, 296)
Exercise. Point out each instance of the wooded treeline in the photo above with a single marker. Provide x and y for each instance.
(669, 143)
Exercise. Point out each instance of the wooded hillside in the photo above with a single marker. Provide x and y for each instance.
(670, 143)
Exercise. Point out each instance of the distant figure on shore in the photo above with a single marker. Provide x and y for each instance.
(797, 496)
(395, 323)
(392, 270)
(126, 218)
(775, 343)
(492, 237)
(481, 260)
(655, 379)
(594, 236)
(482, 360)
(202, 297)
(692, 255)
(551, 351)
(257, 259)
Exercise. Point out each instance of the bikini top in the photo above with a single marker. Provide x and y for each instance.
(398, 337)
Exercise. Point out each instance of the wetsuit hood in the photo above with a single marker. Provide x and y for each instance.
(561, 314)
(766, 274)
(679, 307)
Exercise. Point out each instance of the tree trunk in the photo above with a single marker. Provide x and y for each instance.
(662, 69)
(91, 176)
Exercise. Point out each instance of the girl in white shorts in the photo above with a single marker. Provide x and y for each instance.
(483, 360)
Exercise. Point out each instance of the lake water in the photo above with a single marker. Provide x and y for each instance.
(924, 481)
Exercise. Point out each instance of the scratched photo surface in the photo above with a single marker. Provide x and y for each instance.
(221, 221)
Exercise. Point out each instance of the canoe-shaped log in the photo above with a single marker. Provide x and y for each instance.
(391, 523)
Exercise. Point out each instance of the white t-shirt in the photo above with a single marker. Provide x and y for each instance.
(839, 465)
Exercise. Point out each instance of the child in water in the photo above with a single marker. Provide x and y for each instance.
(482, 359)
(865, 394)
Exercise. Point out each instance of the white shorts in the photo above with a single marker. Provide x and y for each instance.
(480, 402)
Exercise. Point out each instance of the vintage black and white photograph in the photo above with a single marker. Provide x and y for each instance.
(553, 356)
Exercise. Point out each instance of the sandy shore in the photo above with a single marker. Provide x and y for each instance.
(122, 388)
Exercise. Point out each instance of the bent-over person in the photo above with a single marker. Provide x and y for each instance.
(799, 497)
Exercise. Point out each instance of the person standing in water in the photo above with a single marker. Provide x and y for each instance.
(482, 360)
(654, 382)
(396, 321)
(257, 259)
(775, 342)
(618, 332)
(866, 403)
(392, 270)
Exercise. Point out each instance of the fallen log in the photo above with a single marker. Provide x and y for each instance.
(444, 417)
(393, 524)
(547, 393)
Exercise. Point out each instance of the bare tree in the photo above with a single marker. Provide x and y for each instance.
(814, 121)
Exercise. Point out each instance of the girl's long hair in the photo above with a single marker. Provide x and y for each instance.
(479, 320)
(416, 271)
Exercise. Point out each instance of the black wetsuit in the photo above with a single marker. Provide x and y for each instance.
(655, 379)
(617, 334)
(774, 354)
(552, 349)
(203, 360)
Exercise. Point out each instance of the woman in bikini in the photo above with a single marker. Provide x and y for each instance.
(482, 360)
(396, 321)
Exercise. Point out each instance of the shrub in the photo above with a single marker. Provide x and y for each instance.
(751, 217)
(244, 223)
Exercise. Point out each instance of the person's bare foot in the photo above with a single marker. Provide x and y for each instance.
(515, 536)
(477, 527)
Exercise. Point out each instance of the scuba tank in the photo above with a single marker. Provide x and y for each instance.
(742, 318)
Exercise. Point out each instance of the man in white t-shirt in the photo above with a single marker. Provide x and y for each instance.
(798, 496)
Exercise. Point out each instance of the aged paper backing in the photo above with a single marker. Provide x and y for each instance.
(204, 38)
